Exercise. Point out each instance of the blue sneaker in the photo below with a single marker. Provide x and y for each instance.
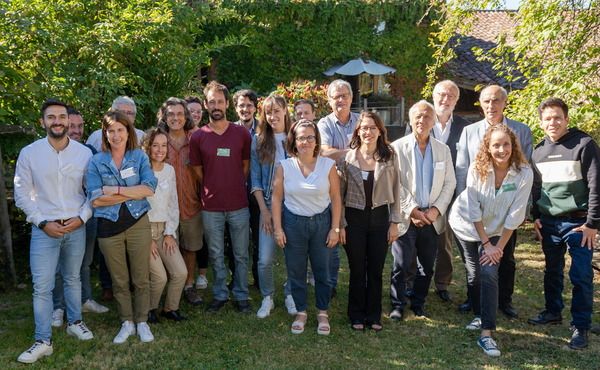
(489, 346)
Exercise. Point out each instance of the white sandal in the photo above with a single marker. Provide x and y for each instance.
(297, 325)
(323, 328)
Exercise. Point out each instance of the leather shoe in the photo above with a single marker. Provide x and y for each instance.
(152, 317)
(215, 305)
(465, 306)
(243, 306)
(418, 311)
(545, 317)
(509, 311)
(173, 315)
(579, 340)
(444, 295)
(397, 314)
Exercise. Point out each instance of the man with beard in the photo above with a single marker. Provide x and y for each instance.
(245, 103)
(48, 187)
(220, 156)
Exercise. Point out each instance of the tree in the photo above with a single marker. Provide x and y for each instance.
(555, 45)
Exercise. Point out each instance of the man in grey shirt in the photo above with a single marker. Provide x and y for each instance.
(336, 131)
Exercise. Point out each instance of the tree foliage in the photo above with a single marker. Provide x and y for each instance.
(556, 46)
(89, 52)
(289, 40)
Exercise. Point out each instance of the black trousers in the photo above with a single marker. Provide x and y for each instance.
(506, 272)
(366, 247)
(422, 241)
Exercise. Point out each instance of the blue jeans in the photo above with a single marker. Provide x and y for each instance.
(482, 282)
(334, 266)
(557, 237)
(239, 229)
(58, 297)
(46, 256)
(306, 238)
(266, 255)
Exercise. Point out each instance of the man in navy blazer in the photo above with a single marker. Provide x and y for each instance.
(493, 100)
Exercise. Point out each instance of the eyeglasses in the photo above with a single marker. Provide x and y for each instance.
(445, 95)
(310, 139)
(368, 129)
(178, 114)
(341, 96)
(129, 113)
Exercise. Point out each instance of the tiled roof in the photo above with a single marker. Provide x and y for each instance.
(465, 69)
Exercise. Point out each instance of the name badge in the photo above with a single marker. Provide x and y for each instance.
(509, 187)
(365, 175)
(440, 165)
(223, 152)
(349, 136)
(128, 172)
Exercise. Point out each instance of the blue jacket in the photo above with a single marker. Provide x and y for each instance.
(102, 171)
(261, 174)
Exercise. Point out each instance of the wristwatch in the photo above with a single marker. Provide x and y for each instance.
(42, 224)
(337, 230)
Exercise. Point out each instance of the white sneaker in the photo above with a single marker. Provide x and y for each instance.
(35, 352)
(265, 308)
(290, 305)
(127, 329)
(201, 282)
(92, 306)
(475, 324)
(144, 332)
(57, 317)
(79, 330)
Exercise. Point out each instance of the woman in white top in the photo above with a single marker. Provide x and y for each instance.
(484, 217)
(268, 149)
(308, 225)
(164, 220)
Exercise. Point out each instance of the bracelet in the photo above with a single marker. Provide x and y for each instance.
(118, 190)
(486, 242)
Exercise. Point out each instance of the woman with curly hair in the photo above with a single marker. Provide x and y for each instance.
(483, 219)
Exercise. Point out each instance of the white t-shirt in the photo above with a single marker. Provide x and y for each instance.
(306, 196)
(164, 201)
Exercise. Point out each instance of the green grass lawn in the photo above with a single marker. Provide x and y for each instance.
(232, 340)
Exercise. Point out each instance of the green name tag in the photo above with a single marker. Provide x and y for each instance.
(509, 187)
(222, 152)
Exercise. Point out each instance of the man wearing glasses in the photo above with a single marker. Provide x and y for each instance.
(123, 104)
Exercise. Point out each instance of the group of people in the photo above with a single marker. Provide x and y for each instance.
(165, 203)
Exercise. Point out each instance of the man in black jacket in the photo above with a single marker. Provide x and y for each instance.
(566, 209)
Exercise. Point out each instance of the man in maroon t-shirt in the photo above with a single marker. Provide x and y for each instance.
(220, 155)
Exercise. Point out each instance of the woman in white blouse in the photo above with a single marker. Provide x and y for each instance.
(484, 217)
(164, 220)
(308, 226)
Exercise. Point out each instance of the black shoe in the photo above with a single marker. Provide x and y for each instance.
(152, 317)
(546, 317)
(215, 305)
(579, 340)
(357, 325)
(173, 315)
(243, 306)
(192, 296)
(418, 311)
(444, 295)
(333, 293)
(397, 314)
(465, 306)
(509, 311)
(409, 293)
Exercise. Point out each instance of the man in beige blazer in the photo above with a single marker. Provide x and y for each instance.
(427, 172)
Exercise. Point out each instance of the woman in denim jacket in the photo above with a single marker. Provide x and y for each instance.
(118, 181)
(268, 148)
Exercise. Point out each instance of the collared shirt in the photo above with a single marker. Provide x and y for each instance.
(496, 209)
(188, 187)
(252, 129)
(49, 184)
(424, 174)
(442, 134)
(95, 138)
(336, 134)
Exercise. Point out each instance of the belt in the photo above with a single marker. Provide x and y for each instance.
(574, 214)
(61, 222)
